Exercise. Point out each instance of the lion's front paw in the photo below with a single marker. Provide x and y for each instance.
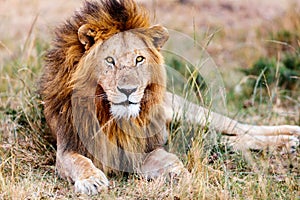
(160, 163)
(93, 184)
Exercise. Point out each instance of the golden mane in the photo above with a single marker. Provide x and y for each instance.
(57, 87)
(67, 50)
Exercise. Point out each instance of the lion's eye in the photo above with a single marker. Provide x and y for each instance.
(139, 59)
(110, 60)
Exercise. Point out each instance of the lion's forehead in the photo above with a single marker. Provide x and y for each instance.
(124, 45)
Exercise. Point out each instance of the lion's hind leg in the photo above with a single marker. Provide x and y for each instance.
(284, 137)
(79, 169)
(241, 136)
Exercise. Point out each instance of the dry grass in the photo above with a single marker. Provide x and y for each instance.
(27, 159)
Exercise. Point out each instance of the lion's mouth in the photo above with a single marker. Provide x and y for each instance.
(125, 109)
(126, 103)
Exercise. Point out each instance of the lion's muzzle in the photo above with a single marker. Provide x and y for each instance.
(127, 104)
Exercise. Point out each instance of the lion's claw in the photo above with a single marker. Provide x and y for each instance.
(92, 185)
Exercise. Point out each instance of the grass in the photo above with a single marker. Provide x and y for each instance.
(27, 157)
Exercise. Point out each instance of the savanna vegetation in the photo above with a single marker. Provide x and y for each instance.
(265, 90)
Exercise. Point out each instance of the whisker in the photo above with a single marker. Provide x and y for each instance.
(101, 95)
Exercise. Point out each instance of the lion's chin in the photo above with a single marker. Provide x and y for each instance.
(125, 111)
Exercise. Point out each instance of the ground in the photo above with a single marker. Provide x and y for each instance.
(234, 33)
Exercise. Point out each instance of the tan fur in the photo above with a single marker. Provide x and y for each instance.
(240, 136)
(83, 96)
(78, 91)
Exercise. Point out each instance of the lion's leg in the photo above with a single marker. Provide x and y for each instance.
(160, 163)
(79, 169)
(243, 136)
(286, 143)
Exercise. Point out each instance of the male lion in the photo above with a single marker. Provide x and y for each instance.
(104, 96)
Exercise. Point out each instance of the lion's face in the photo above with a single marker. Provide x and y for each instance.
(127, 65)
(124, 73)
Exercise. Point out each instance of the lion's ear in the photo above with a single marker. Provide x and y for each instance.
(159, 34)
(87, 35)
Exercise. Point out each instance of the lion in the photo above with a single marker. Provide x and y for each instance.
(105, 99)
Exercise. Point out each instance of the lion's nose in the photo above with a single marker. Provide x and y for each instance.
(127, 91)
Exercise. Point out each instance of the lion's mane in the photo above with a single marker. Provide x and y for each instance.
(57, 87)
